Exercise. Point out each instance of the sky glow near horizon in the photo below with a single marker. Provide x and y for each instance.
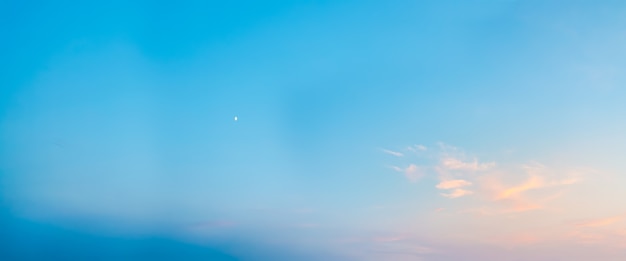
(313, 130)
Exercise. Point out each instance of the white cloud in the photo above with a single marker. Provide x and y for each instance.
(451, 184)
(416, 148)
(393, 153)
(456, 164)
(412, 172)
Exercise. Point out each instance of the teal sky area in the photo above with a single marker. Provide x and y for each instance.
(365, 130)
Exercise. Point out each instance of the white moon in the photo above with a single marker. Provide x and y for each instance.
(235, 118)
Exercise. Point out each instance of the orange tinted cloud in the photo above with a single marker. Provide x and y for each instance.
(534, 182)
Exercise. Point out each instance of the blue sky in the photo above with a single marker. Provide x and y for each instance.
(366, 130)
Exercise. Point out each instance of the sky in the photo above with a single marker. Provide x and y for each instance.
(313, 130)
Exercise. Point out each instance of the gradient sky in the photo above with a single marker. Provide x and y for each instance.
(366, 130)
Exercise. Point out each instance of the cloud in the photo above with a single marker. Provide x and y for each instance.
(457, 193)
(393, 153)
(600, 222)
(456, 183)
(534, 182)
(497, 187)
(456, 164)
(396, 168)
(541, 186)
(416, 148)
(412, 173)
(512, 204)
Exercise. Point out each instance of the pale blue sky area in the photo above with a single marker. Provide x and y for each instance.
(117, 118)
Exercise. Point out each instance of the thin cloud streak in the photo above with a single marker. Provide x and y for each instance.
(393, 153)
(451, 184)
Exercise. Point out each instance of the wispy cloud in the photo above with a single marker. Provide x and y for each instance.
(534, 182)
(416, 148)
(496, 186)
(456, 183)
(457, 193)
(412, 172)
(456, 164)
(515, 204)
(602, 222)
(538, 190)
(396, 168)
(393, 153)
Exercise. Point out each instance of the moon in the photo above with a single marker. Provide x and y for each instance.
(235, 118)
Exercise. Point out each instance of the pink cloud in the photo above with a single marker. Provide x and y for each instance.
(412, 173)
(600, 222)
(457, 193)
(534, 182)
